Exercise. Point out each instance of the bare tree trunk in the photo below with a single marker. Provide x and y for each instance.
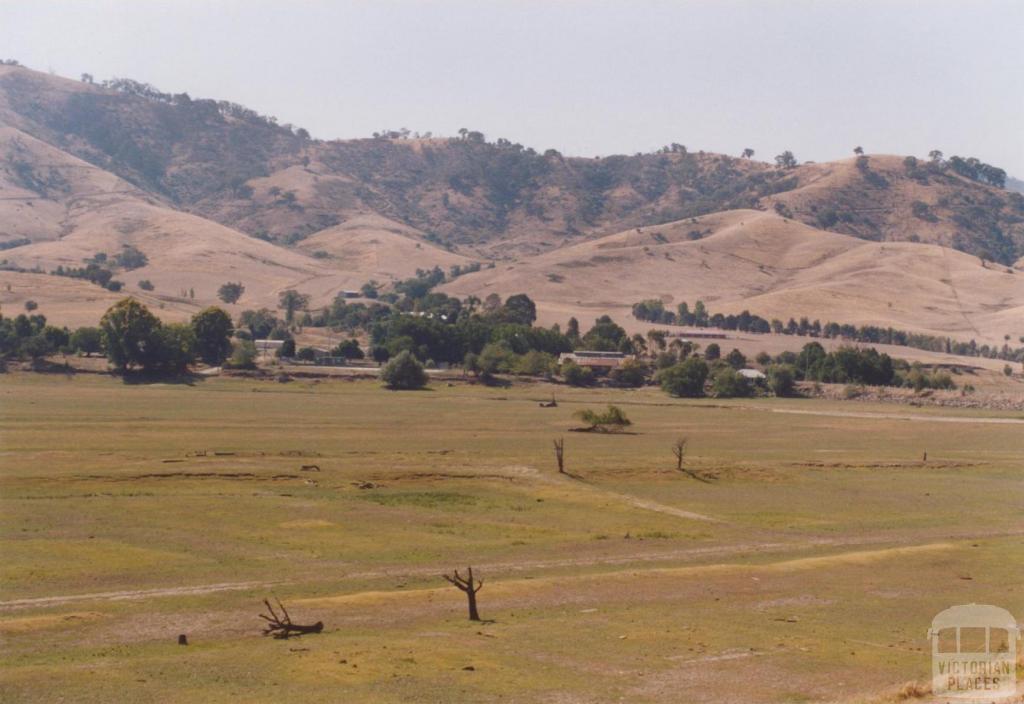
(467, 585)
(679, 450)
(560, 454)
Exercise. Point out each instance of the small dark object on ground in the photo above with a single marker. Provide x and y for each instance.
(310, 468)
(182, 639)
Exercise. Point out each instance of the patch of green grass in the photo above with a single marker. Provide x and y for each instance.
(424, 499)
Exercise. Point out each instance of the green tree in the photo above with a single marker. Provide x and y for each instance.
(495, 358)
(782, 379)
(685, 378)
(36, 347)
(785, 160)
(260, 323)
(213, 330)
(736, 359)
(291, 301)
(535, 363)
(243, 356)
(575, 375)
(610, 420)
(631, 373)
(87, 341)
(174, 348)
(130, 258)
(349, 349)
(129, 334)
(380, 354)
(712, 351)
(728, 383)
(404, 372)
(700, 314)
(287, 348)
(231, 292)
(520, 309)
(572, 329)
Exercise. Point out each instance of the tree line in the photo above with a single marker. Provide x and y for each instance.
(654, 310)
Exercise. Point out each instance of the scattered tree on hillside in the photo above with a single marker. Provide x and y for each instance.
(31, 305)
(748, 153)
(785, 160)
(469, 587)
(231, 292)
(858, 150)
(130, 257)
(291, 301)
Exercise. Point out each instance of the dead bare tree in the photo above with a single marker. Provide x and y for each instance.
(560, 454)
(466, 584)
(679, 450)
(282, 626)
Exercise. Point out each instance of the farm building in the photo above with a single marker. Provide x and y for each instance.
(698, 335)
(752, 374)
(267, 346)
(595, 359)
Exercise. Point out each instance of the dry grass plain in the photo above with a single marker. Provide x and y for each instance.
(807, 567)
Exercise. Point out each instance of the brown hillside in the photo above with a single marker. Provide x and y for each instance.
(887, 198)
(777, 268)
(213, 192)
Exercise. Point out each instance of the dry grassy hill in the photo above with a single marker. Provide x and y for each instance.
(775, 267)
(891, 198)
(227, 163)
(212, 192)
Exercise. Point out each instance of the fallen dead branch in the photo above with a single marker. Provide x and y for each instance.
(281, 627)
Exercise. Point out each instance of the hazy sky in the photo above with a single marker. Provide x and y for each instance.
(818, 77)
